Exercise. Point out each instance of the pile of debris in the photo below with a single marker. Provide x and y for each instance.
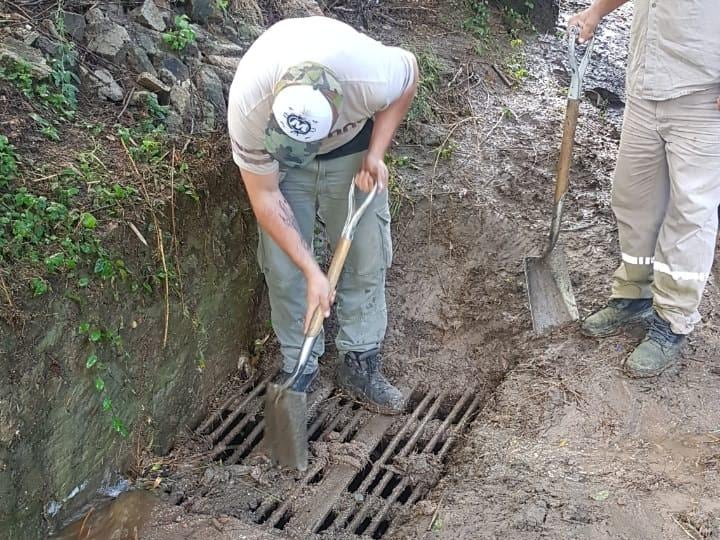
(185, 54)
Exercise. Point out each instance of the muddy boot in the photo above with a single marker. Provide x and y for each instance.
(619, 312)
(304, 382)
(657, 352)
(359, 375)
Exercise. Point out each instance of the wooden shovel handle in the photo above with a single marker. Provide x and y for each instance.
(336, 267)
(566, 148)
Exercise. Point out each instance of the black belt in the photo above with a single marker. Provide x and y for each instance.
(359, 143)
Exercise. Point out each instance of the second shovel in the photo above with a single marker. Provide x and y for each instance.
(550, 293)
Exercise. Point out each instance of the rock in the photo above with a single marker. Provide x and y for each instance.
(181, 97)
(74, 25)
(173, 122)
(226, 75)
(46, 45)
(175, 66)
(109, 88)
(152, 83)
(138, 60)
(95, 15)
(222, 48)
(149, 40)
(208, 117)
(167, 77)
(201, 11)
(49, 26)
(140, 97)
(210, 88)
(225, 62)
(12, 51)
(298, 8)
(109, 40)
(150, 15)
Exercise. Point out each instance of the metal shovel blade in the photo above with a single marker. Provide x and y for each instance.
(552, 302)
(286, 426)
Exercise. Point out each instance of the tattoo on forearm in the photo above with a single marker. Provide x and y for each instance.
(288, 218)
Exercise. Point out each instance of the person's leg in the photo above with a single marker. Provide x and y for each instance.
(361, 306)
(686, 242)
(639, 198)
(286, 283)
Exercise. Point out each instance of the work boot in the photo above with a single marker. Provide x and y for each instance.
(657, 352)
(304, 382)
(618, 313)
(359, 374)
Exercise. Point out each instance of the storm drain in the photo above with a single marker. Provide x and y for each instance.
(368, 470)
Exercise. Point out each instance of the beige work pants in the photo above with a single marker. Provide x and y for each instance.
(666, 194)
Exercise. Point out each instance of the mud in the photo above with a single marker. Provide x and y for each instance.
(564, 445)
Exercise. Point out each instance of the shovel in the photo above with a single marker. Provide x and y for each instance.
(286, 409)
(550, 293)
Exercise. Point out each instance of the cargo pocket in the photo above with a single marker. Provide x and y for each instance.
(385, 236)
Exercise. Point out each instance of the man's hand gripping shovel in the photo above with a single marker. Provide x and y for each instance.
(286, 409)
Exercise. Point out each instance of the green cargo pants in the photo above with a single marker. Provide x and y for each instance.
(321, 189)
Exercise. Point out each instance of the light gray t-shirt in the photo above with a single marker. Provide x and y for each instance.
(372, 76)
(674, 48)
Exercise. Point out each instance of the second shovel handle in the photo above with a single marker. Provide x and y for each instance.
(336, 266)
(566, 148)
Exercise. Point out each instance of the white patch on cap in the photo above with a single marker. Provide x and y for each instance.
(303, 113)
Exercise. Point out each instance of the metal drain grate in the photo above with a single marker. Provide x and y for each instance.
(381, 466)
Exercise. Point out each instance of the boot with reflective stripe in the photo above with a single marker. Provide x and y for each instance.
(657, 352)
(619, 312)
(359, 375)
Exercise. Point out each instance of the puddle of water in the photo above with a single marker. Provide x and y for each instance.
(121, 519)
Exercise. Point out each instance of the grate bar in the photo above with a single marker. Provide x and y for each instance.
(217, 432)
(345, 515)
(362, 513)
(352, 424)
(228, 439)
(405, 482)
(214, 417)
(278, 514)
(249, 442)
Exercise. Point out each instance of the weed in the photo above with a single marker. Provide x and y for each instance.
(222, 5)
(478, 22)
(447, 150)
(395, 189)
(8, 161)
(182, 36)
(428, 84)
(46, 128)
(516, 62)
(95, 336)
(39, 286)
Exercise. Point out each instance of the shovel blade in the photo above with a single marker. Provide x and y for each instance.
(552, 302)
(286, 427)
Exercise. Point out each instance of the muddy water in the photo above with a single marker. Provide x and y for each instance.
(121, 519)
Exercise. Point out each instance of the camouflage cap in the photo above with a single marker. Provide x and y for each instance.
(299, 150)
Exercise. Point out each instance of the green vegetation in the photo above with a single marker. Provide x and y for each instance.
(8, 161)
(97, 336)
(478, 22)
(516, 63)
(516, 21)
(396, 190)
(429, 66)
(182, 36)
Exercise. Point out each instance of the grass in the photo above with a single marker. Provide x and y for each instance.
(422, 109)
